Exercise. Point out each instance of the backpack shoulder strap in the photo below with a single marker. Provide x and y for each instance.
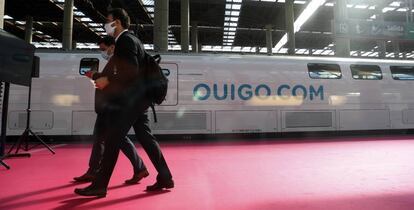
(153, 112)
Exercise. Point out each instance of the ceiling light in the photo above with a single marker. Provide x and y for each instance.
(326, 52)
(366, 53)
(148, 2)
(78, 13)
(301, 51)
(361, 6)
(95, 24)
(236, 6)
(386, 9)
(235, 13)
(395, 4)
(86, 19)
(299, 2)
(317, 52)
(238, 49)
(246, 49)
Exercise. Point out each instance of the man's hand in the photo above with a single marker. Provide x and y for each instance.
(101, 83)
(90, 74)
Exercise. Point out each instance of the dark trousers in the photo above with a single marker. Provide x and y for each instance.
(122, 114)
(151, 147)
(126, 146)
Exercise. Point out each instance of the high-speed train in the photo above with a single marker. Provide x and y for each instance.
(225, 94)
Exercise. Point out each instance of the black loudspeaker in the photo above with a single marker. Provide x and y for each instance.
(35, 68)
(16, 59)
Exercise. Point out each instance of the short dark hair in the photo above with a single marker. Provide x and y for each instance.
(121, 15)
(107, 40)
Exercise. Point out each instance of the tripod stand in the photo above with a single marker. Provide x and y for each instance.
(2, 156)
(3, 163)
(4, 122)
(26, 134)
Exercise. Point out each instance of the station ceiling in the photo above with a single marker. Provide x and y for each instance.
(246, 21)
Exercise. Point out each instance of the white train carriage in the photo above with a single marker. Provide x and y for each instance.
(214, 94)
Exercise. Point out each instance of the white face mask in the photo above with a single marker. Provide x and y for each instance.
(110, 30)
(105, 55)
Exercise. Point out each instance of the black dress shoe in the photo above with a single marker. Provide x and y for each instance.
(137, 177)
(159, 185)
(85, 178)
(91, 191)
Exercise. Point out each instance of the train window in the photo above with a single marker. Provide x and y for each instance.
(402, 72)
(324, 71)
(366, 72)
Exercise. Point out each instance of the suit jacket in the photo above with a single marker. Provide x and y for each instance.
(123, 69)
(101, 97)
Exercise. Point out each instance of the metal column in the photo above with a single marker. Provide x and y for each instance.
(161, 26)
(194, 37)
(382, 48)
(67, 25)
(410, 9)
(1, 13)
(3, 116)
(396, 46)
(342, 48)
(185, 23)
(269, 42)
(28, 29)
(382, 45)
(290, 27)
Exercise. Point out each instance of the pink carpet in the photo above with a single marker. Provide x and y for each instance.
(341, 174)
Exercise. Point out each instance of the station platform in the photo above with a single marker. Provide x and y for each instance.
(340, 173)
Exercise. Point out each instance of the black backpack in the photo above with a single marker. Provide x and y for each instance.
(156, 83)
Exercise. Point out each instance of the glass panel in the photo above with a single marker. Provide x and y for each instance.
(324, 71)
(402, 72)
(366, 72)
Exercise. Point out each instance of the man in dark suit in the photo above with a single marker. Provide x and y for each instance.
(127, 107)
(107, 46)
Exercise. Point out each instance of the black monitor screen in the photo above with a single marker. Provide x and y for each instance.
(88, 64)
